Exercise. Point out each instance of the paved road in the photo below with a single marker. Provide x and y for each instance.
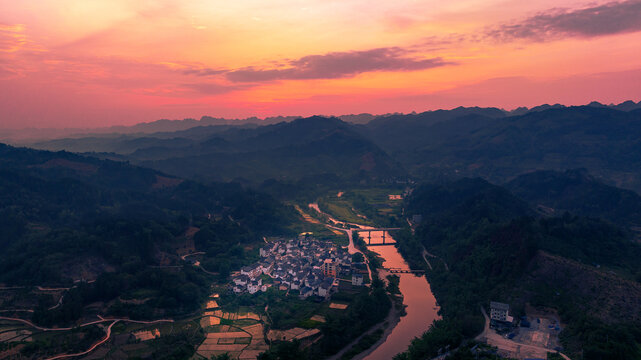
(196, 253)
(91, 348)
(427, 253)
(425, 258)
(83, 325)
(51, 289)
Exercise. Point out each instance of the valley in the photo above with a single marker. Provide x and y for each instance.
(109, 259)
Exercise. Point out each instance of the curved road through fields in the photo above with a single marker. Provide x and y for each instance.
(61, 356)
(91, 348)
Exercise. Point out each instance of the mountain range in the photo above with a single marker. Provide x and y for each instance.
(443, 144)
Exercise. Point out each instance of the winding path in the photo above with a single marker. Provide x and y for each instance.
(427, 253)
(82, 325)
(61, 356)
(91, 348)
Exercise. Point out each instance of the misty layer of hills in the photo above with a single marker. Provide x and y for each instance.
(32, 135)
(486, 142)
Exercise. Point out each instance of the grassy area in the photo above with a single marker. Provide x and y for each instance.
(309, 324)
(320, 231)
(242, 341)
(342, 210)
(244, 322)
(363, 344)
(367, 206)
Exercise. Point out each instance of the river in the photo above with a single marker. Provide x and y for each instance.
(421, 307)
(417, 296)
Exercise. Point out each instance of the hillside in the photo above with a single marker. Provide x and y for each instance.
(285, 151)
(400, 133)
(483, 143)
(498, 250)
(444, 144)
(579, 193)
(117, 230)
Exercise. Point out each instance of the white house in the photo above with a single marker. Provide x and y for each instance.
(254, 286)
(325, 288)
(499, 312)
(241, 280)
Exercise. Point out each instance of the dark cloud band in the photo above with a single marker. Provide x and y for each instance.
(607, 19)
(338, 65)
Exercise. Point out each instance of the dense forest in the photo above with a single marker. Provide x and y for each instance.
(497, 248)
(112, 231)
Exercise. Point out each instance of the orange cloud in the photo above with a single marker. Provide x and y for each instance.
(117, 61)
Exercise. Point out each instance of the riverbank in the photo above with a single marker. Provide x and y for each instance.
(388, 325)
(418, 301)
(392, 321)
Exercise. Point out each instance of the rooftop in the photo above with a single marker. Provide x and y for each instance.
(499, 306)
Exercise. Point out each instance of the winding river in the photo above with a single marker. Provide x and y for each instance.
(421, 306)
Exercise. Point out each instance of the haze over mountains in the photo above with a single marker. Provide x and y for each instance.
(30, 135)
(487, 142)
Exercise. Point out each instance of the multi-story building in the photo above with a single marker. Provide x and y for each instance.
(499, 312)
(329, 268)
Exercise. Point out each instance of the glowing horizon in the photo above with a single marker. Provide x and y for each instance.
(68, 63)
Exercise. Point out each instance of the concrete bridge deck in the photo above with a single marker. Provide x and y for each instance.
(404, 271)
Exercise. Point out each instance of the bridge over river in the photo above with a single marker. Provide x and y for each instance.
(404, 271)
(384, 230)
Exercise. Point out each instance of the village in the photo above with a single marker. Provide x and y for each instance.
(305, 266)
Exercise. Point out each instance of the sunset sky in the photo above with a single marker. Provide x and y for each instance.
(89, 63)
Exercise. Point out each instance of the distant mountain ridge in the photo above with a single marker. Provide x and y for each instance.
(288, 150)
(32, 135)
(600, 139)
(472, 141)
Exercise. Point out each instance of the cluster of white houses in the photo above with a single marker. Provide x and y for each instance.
(308, 265)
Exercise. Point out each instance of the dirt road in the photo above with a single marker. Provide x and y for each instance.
(517, 350)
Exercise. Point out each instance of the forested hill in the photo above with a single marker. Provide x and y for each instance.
(444, 144)
(482, 143)
(499, 248)
(67, 218)
(576, 191)
(286, 151)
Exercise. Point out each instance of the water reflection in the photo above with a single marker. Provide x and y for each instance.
(421, 305)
